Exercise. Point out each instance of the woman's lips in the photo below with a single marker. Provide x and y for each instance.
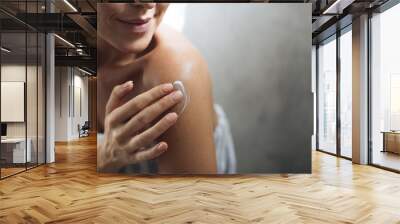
(136, 25)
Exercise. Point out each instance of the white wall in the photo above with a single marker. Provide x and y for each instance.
(16, 73)
(61, 103)
(12, 73)
(67, 115)
(12, 99)
(80, 84)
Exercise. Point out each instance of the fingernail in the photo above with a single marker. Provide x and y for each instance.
(162, 146)
(128, 84)
(167, 87)
(177, 95)
(172, 117)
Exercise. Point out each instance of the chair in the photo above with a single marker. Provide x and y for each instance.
(84, 130)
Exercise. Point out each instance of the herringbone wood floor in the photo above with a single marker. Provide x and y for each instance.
(70, 191)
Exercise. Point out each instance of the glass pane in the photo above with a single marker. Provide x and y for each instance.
(41, 98)
(22, 79)
(31, 98)
(346, 94)
(386, 89)
(395, 102)
(77, 110)
(327, 96)
(313, 84)
(13, 86)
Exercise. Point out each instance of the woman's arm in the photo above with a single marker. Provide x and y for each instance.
(191, 142)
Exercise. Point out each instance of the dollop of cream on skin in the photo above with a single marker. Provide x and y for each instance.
(178, 85)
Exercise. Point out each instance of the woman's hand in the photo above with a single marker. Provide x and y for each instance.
(128, 136)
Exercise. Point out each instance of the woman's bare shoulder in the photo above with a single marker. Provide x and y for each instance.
(175, 58)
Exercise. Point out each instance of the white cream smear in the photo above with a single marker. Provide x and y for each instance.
(178, 85)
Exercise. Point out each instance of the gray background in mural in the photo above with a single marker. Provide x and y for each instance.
(259, 56)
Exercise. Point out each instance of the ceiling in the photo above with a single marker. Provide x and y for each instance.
(76, 24)
(75, 21)
(332, 15)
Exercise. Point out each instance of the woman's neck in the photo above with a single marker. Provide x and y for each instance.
(108, 55)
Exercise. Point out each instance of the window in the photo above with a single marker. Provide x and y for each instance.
(22, 76)
(327, 96)
(394, 102)
(346, 93)
(333, 137)
(385, 88)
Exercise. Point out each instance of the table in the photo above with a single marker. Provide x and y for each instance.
(391, 141)
(13, 150)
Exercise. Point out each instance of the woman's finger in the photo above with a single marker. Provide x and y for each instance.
(138, 103)
(151, 134)
(147, 115)
(149, 154)
(117, 95)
